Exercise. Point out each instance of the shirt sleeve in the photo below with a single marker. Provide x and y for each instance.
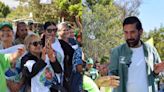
(4, 61)
(29, 64)
(77, 58)
(113, 66)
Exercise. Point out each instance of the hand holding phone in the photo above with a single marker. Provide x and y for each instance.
(49, 50)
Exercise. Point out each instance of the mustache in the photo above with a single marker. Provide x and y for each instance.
(130, 39)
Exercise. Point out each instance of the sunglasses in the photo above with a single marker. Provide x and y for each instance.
(51, 30)
(36, 43)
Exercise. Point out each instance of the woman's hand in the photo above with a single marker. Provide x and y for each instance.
(51, 54)
(17, 54)
(43, 54)
(49, 50)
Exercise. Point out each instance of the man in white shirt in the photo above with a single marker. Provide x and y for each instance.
(136, 63)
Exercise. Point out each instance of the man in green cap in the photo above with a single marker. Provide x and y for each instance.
(7, 35)
(7, 24)
(90, 70)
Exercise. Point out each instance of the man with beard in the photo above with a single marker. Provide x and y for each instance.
(135, 62)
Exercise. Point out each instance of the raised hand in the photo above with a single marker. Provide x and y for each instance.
(49, 50)
(43, 53)
(52, 55)
(17, 54)
(20, 52)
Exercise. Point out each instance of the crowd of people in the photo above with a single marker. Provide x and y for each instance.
(42, 59)
(49, 58)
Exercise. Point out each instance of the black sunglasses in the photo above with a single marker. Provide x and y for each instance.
(51, 30)
(36, 43)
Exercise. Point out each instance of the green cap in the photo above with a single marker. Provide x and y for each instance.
(8, 24)
(90, 61)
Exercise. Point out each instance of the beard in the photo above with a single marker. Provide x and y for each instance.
(132, 42)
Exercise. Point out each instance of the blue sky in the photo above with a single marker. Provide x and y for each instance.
(152, 14)
(11, 3)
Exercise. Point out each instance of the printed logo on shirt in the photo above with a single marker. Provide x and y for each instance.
(122, 60)
(47, 77)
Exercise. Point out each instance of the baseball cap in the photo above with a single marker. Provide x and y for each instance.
(8, 24)
(90, 61)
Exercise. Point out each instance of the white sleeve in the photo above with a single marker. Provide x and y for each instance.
(29, 64)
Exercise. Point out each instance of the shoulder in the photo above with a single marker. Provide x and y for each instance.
(119, 48)
(149, 47)
(78, 51)
(65, 46)
(26, 57)
(4, 57)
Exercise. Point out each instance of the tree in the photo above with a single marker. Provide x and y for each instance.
(21, 12)
(102, 30)
(158, 36)
(102, 24)
(70, 10)
(129, 7)
(4, 10)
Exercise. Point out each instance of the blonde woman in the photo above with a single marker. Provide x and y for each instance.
(39, 65)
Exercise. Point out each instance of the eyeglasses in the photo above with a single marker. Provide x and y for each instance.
(51, 30)
(36, 43)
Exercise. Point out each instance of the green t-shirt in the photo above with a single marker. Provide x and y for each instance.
(4, 64)
(89, 84)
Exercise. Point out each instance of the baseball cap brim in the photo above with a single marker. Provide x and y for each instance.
(7, 24)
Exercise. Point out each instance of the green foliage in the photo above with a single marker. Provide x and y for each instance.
(104, 22)
(21, 12)
(4, 10)
(74, 9)
(158, 36)
(43, 12)
(104, 60)
(66, 9)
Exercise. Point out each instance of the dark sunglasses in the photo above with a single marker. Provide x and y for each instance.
(36, 43)
(51, 30)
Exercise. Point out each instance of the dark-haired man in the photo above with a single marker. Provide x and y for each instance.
(135, 62)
